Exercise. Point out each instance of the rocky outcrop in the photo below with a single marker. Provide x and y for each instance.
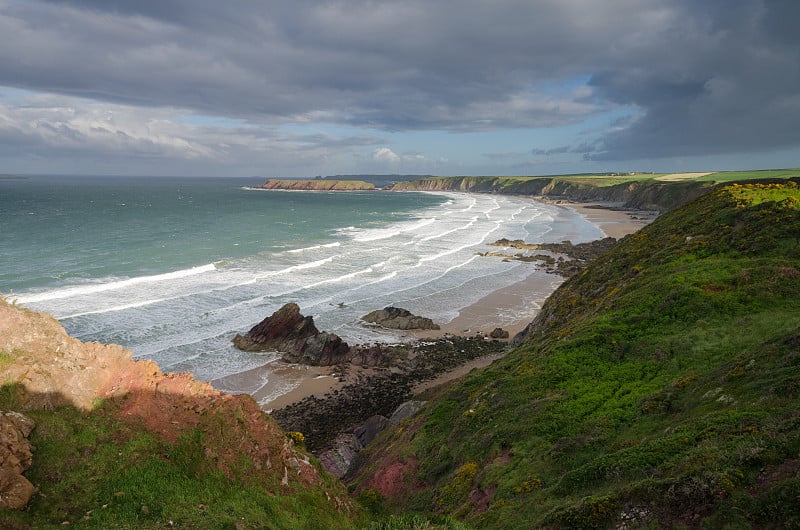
(579, 255)
(499, 333)
(370, 356)
(15, 459)
(397, 318)
(296, 337)
(321, 420)
(339, 459)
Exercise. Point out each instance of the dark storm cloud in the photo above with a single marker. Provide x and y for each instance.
(700, 77)
(731, 84)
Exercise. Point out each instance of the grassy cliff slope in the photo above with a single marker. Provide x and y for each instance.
(119, 444)
(659, 387)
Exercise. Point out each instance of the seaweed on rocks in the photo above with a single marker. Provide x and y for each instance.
(322, 419)
(579, 254)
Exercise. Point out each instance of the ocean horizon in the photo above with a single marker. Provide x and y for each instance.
(172, 268)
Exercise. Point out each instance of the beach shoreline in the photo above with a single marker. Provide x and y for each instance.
(511, 308)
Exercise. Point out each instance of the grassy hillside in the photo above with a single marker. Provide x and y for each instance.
(119, 444)
(659, 387)
(731, 176)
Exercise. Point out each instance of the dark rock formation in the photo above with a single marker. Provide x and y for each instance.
(296, 336)
(580, 255)
(15, 459)
(321, 420)
(397, 318)
(499, 333)
(369, 356)
(346, 446)
(339, 458)
(367, 431)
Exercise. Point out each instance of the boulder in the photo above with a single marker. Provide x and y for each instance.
(405, 410)
(367, 431)
(15, 459)
(289, 332)
(343, 451)
(370, 356)
(338, 459)
(397, 318)
(322, 349)
(499, 333)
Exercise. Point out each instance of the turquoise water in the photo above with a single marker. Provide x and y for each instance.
(172, 268)
(56, 230)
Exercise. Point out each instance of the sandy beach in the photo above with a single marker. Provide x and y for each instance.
(510, 308)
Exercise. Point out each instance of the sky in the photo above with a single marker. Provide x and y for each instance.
(446, 87)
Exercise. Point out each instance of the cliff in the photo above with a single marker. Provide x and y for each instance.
(660, 387)
(117, 443)
(317, 185)
(640, 193)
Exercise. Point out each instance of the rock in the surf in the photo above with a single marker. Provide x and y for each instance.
(397, 318)
(296, 337)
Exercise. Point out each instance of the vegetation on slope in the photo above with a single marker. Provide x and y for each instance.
(118, 444)
(659, 387)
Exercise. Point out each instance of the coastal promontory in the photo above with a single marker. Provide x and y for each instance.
(317, 185)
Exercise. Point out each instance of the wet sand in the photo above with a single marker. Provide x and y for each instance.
(511, 308)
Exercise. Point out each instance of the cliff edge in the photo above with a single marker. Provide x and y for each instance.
(119, 443)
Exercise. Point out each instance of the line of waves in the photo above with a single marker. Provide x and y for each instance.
(69, 292)
(185, 319)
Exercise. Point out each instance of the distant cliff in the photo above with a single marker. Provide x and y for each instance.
(644, 194)
(317, 185)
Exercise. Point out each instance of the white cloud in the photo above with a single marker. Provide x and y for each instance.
(55, 128)
(384, 154)
(68, 124)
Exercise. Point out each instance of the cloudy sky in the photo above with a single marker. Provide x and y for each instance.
(448, 87)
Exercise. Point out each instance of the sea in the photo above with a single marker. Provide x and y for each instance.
(172, 268)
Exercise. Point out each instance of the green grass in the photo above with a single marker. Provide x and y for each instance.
(6, 359)
(738, 176)
(415, 521)
(663, 381)
(95, 471)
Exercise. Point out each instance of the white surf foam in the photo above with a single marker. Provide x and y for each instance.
(69, 292)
